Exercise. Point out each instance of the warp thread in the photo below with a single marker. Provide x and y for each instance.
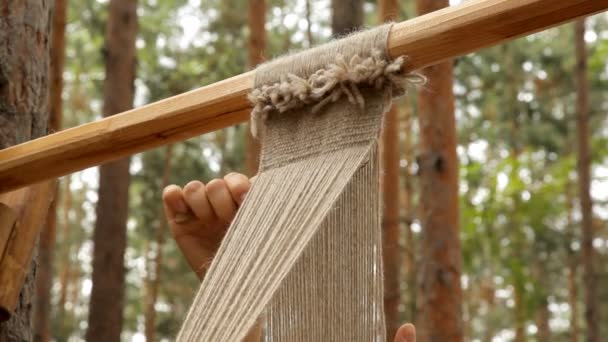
(305, 246)
(341, 78)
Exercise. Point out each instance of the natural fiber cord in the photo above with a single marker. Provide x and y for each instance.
(305, 247)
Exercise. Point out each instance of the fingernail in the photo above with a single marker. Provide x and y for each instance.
(234, 177)
(183, 218)
(192, 186)
(180, 206)
(231, 175)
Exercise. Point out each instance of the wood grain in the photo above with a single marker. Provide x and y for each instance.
(427, 40)
(11, 203)
(30, 206)
(458, 30)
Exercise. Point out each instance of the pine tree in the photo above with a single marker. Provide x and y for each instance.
(439, 316)
(389, 10)
(24, 75)
(46, 247)
(257, 47)
(107, 294)
(346, 16)
(153, 277)
(584, 176)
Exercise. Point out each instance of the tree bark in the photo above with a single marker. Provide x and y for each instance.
(584, 179)
(24, 80)
(346, 16)
(389, 146)
(57, 65)
(109, 238)
(257, 48)
(439, 315)
(153, 278)
(46, 247)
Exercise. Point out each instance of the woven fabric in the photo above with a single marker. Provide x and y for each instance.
(305, 247)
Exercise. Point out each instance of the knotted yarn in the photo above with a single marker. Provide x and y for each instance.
(305, 246)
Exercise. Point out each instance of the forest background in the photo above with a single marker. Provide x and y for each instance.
(519, 232)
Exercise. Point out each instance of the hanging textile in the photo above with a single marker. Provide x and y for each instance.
(305, 247)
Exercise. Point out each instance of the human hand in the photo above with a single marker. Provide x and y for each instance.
(200, 214)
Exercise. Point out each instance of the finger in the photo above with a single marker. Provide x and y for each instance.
(406, 333)
(238, 185)
(173, 202)
(181, 219)
(196, 243)
(221, 201)
(195, 194)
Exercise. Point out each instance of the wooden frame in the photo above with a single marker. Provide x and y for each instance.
(426, 40)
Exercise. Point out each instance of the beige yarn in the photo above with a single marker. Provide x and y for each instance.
(305, 246)
(329, 85)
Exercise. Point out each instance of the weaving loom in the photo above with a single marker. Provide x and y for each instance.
(307, 239)
(304, 250)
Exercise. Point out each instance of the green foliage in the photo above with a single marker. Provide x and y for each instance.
(515, 115)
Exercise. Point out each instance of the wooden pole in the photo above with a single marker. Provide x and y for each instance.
(427, 40)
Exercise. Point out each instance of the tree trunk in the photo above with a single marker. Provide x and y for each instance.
(584, 174)
(489, 296)
(153, 278)
(257, 47)
(44, 279)
(542, 314)
(46, 247)
(542, 322)
(439, 315)
(107, 294)
(408, 212)
(573, 297)
(572, 268)
(390, 221)
(346, 16)
(308, 14)
(520, 316)
(65, 236)
(389, 147)
(57, 65)
(24, 80)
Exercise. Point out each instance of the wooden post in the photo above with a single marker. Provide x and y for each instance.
(29, 207)
(426, 40)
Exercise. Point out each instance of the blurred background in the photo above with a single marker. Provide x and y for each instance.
(518, 251)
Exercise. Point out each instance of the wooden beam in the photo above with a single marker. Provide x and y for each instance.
(428, 39)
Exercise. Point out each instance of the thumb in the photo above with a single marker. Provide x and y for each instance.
(406, 333)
